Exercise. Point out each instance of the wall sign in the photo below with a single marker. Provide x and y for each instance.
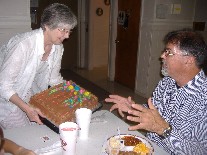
(121, 17)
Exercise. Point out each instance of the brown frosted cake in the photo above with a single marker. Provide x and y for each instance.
(59, 103)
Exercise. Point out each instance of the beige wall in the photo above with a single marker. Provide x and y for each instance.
(98, 34)
(152, 30)
(14, 18)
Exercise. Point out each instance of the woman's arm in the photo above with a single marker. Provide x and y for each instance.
(31, 112)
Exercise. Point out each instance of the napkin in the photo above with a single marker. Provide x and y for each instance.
(99, 119)
(49, 150)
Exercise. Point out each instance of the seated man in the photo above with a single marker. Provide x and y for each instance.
(8, 146)
(176, 115)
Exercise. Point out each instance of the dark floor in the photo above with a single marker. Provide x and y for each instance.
(99, 76)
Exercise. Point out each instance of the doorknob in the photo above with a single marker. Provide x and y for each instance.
(116, 41)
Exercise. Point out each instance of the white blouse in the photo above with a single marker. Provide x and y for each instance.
(22, 71)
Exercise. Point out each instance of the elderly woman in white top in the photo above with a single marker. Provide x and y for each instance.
(31, 62)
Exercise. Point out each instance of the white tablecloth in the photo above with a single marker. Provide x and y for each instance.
(44, 141)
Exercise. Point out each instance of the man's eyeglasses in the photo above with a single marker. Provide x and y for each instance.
(168, 52)
(64, 31)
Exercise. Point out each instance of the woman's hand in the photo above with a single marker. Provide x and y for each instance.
(33, 114)
(121, 103)
(147, 118)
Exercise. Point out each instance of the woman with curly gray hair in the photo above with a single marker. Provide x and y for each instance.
(30, 62)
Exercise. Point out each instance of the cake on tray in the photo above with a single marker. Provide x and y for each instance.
(59, 102)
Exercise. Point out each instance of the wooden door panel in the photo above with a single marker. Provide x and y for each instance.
(127, 46)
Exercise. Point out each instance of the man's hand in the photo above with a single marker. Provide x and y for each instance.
(147, 119)
(121, 103)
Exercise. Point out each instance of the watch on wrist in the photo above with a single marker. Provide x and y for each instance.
(167, 131)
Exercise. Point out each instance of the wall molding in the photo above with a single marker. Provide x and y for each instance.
(14, 21)
(14, 18)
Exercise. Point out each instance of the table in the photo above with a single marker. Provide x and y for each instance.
(35, 137)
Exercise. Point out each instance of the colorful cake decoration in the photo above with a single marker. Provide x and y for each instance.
(79, 93)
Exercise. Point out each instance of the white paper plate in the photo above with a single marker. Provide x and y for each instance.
(128, 148)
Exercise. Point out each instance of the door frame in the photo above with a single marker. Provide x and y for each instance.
(112, 38)
(82, 26)
(83, 53)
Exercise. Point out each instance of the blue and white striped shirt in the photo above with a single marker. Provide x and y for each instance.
(185, 108)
